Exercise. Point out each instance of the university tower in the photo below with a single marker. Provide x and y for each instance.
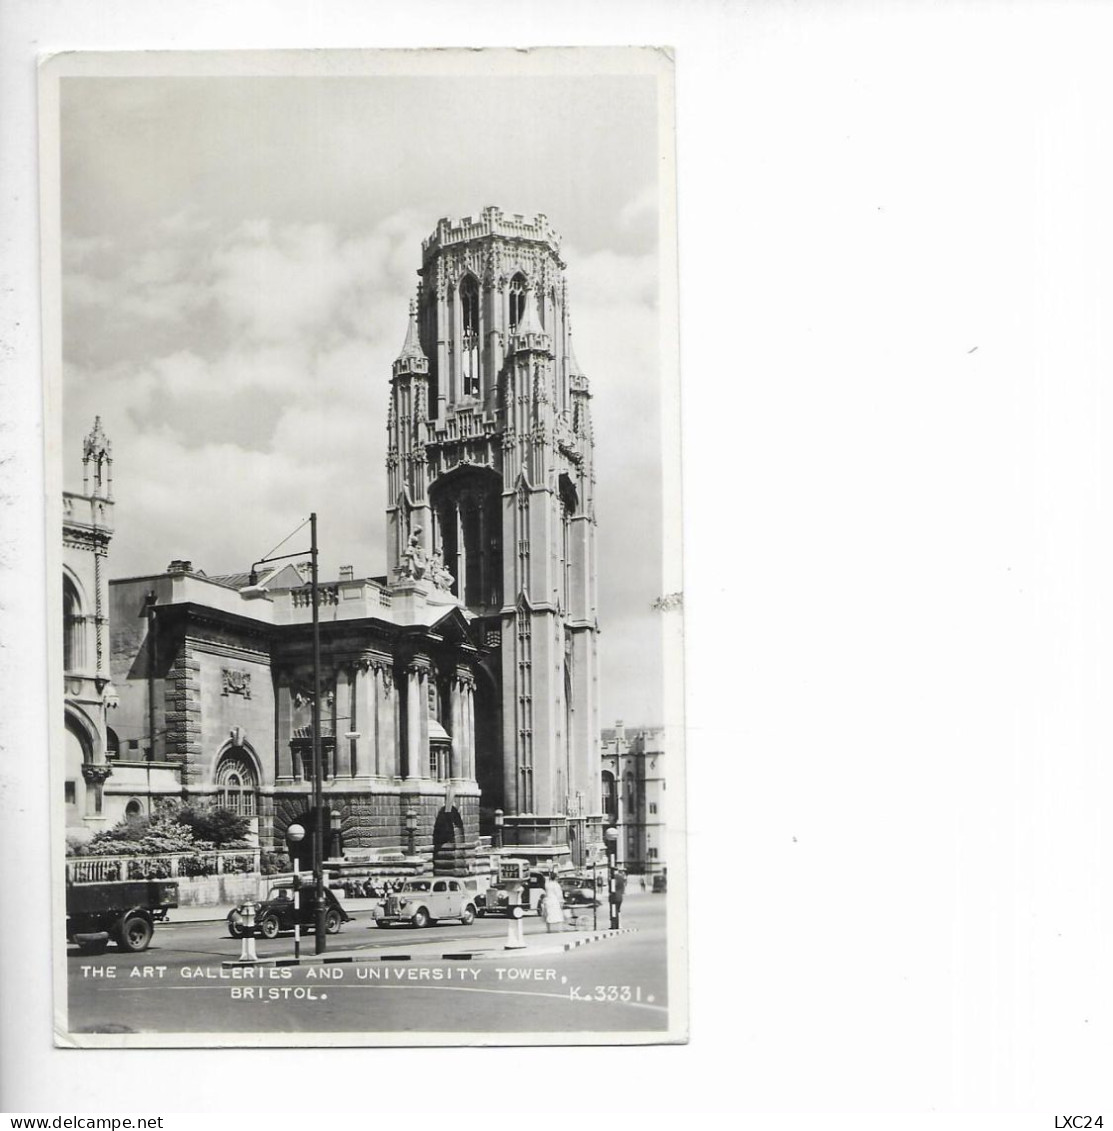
(491, 492)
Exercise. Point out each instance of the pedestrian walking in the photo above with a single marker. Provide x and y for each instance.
(619, 888)
(554, 903)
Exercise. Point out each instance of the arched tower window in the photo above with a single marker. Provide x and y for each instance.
(517, 300)
(568, 506)
(468, 509)
(237, 783)
(469, 356)
(73, 646)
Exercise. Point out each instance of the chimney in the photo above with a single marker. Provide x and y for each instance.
(347, 573)
(179, 566)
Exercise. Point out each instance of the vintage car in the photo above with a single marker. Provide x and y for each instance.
(276, 912)
(578, 890)
(423, 902)
(519, 886)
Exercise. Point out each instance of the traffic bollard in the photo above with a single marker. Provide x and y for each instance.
(247, 950)
(514, 937)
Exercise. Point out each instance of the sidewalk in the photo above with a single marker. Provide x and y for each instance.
(382, 948)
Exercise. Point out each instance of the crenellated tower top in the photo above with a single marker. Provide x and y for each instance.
(492, 221)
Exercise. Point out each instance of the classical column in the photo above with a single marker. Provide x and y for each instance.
(414, 715)
(359, 720)
(469, 727)
(386, 748)
(423, 720)
(342, 760)
(457, 768)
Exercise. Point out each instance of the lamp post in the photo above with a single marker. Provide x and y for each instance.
(295, 834)
(336, 850)
(594, 890)
(611, 836)
(318, 800)
(498, 827)
(411, 831)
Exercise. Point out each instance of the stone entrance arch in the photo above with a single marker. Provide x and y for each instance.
(449, 857)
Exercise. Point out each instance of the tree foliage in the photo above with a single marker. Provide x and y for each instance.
(172, 827)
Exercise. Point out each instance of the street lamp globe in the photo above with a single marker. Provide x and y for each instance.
(295, 834)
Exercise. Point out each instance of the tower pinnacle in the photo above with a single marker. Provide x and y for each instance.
(412, 359)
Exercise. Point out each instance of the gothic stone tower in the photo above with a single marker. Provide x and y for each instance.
(490, 472)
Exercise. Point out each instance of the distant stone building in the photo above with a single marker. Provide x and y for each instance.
(87, 527)
(633, 781)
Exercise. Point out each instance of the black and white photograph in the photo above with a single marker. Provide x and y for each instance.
(362, 414)
(555, 564)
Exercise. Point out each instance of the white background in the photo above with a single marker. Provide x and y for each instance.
(896, 277)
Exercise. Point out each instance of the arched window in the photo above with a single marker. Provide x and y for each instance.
(610, 796)
(134, 810)
(237, 784)
(469, 357)
(73, 646)
(568, 506)
(517, 300)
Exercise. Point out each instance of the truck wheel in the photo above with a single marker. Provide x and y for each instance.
(268, 928)
(134, 934)
(382, 922)
(235, 930)
(421, 918)
(332, 921)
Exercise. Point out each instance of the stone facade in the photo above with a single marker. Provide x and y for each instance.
(633, 772)
(87, 528)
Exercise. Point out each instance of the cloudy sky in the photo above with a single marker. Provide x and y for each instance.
(238, 253)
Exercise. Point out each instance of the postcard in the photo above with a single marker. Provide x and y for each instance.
(362, 436)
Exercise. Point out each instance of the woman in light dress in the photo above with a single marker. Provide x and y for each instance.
(553, 909)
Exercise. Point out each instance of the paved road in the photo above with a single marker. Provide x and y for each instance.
(179, 985)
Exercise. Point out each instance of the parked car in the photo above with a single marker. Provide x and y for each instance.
(578, 890)
(519, 885)
(423, 902)
(276, 912)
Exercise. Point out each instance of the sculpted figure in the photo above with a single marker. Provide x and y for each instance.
(413, 559)
(438, 571)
